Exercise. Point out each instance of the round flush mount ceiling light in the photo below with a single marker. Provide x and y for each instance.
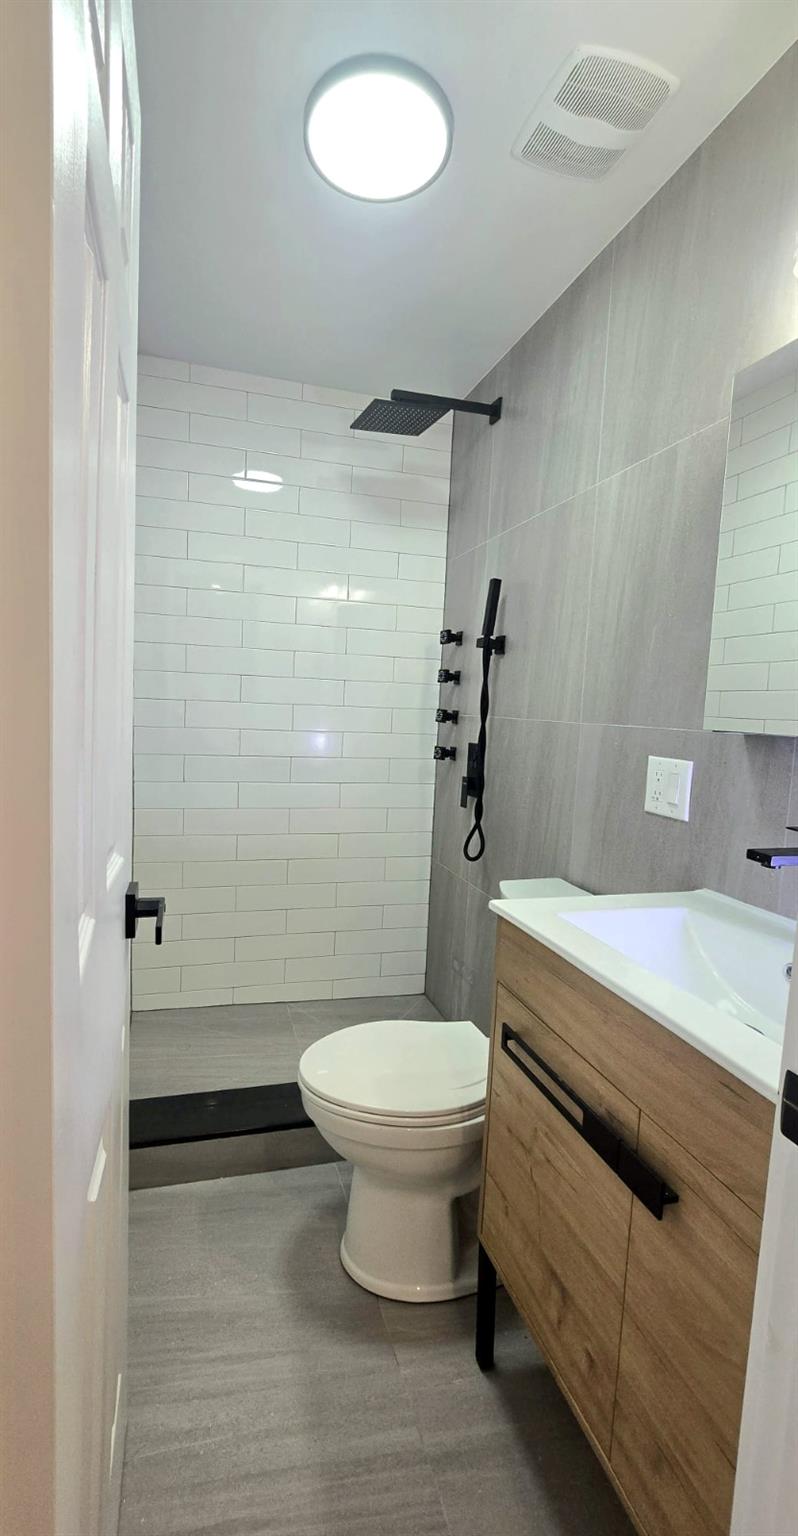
(378, 128)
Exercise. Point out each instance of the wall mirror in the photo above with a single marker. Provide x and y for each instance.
(752, 683)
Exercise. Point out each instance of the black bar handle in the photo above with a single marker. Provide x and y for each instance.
(143, 906)
(632, 1170)
(788, 1120)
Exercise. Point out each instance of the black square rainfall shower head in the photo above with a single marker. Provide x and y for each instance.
(396, 416)
(410, 414)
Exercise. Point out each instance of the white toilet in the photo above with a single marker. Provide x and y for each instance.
(404, 1101)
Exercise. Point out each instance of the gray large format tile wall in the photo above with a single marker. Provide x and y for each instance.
(289, 596)
(597, 500)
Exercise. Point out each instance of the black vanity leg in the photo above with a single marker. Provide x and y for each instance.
(486, 1311)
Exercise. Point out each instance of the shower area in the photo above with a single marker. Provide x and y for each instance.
(289, 603)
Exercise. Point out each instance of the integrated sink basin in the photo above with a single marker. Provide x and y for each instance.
(741, 974)
(711, 969)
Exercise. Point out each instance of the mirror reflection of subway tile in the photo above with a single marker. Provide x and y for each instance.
(752, 684)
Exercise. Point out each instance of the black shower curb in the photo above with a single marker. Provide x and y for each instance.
(172, 1118)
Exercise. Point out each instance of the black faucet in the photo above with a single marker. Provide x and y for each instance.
(774, 858)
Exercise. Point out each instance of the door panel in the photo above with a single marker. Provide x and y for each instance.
(95, 233)
(766, 1488)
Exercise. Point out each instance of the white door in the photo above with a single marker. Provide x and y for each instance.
(70, 123)
(95, 286)
(766, 1489)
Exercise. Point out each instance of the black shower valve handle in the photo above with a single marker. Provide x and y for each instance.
(451, 637)
(447, 716)
(445, 676)
(495, 647)
(441, 754)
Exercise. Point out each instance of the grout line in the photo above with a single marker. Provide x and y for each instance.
(616, 725)
(677, 442)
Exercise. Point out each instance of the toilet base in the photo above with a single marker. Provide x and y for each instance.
(464, 1283)
(410, 1244)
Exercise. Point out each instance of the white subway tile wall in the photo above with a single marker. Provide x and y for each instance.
(752, 684)
(289, 594)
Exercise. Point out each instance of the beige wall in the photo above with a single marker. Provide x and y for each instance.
(26, 1259)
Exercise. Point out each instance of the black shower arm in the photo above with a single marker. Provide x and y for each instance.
(411, 397)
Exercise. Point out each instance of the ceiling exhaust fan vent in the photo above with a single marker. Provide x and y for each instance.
(615, 91)
(554, 151)
(595, 109)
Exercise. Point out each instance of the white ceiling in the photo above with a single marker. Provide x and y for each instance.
(250, 261)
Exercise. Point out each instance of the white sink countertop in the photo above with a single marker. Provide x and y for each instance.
(707, 967)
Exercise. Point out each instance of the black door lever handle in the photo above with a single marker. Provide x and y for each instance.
(789, 1103)
(143, 906)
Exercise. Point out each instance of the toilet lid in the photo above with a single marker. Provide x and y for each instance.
(408, 1067)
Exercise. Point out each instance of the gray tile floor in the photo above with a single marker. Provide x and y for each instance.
(188, 1050)
(271, 1396)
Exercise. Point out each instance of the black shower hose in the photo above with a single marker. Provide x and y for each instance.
(482, 752)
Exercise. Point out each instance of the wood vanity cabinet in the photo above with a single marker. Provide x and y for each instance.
(643, 1321)
(556, 1217)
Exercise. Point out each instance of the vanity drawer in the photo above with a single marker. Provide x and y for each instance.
(689, 1300)
(725, 1124)
(555, 1218)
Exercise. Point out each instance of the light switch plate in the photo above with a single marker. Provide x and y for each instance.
(668, 784)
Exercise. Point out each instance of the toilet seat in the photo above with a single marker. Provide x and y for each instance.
(399, 1072)
(366, 1117)
(400, 1134)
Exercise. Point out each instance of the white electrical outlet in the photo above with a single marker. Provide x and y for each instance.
(668, 784)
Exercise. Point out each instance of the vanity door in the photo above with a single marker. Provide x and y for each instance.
(687, 1319)
(555, 1218)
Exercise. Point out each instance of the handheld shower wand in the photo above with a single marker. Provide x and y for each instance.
(474, 782)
